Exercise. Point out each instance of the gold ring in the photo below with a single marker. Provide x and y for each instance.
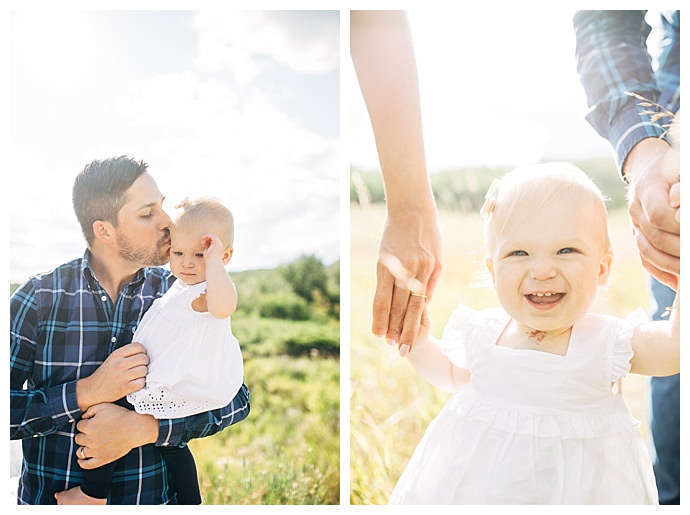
(418, 295)
(81, 451)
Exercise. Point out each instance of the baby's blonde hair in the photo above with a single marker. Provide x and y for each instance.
(533, 186)
(207, 214)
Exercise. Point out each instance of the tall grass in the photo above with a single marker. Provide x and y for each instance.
(288, 450)
(390, 405)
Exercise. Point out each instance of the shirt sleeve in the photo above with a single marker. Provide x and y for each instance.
(178, 432)
(612, 59)
(33, 411)
(668, 72)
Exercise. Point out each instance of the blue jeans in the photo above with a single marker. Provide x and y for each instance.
(664, 414)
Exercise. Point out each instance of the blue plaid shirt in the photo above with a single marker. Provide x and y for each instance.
(63, 326)
(612, 58)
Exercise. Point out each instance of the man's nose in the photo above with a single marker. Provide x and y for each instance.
(165, 222)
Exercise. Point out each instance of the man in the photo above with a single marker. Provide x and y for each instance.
(71, 355)
(612, 60)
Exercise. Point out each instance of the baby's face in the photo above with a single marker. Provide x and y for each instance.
(548, 263)
(187, 256)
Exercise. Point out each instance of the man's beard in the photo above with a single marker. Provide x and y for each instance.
(149, 256)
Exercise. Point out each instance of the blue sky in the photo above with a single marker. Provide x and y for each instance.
(238, 104)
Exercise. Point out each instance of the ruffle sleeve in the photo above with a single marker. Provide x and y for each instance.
(457, 335)
(622, 344)
(467, 330)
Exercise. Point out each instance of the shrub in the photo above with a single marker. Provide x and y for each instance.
(284, 305)
(314, 340)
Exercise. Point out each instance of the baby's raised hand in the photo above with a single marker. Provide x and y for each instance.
(213, 248)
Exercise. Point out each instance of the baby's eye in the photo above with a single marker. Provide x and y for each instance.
(199, 254)
(567, 250)
(177, 253)
(518, 253)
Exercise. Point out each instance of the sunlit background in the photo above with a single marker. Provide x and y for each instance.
(239, 105)
(498, 87)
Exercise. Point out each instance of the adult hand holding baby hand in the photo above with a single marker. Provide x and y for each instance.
(407, 271)
(654, 187)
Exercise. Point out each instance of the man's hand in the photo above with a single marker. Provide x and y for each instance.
(123, 372)
(107, 432)
(657, 230)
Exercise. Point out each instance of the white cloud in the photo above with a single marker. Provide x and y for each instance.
(306, 42)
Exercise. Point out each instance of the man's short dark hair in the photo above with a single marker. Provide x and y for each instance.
(99, 190)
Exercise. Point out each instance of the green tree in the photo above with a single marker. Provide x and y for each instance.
(306, 276)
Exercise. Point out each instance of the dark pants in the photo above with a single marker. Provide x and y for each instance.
(178, 460)
(180, 463)
(664, 415)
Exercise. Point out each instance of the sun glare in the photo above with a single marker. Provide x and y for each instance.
(56, 47)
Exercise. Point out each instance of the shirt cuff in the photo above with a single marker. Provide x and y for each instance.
(166, 433)
(631, 126)
(62, 400)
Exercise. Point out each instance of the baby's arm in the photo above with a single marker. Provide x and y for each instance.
(657, 345)
(221, 295)
(434, 366)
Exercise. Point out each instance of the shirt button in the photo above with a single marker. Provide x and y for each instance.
(104, 298)
(113, 339)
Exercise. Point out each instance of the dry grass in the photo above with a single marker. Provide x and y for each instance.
(390, 405)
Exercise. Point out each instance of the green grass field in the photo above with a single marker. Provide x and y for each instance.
(390, 405)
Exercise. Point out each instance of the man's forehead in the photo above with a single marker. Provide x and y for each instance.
(143, 193)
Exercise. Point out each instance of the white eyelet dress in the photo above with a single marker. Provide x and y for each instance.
(195, 363)
(533, 427)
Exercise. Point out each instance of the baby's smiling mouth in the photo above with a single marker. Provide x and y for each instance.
(545, 298)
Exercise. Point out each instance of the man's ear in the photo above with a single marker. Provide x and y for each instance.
(227, 255)
(104, 232)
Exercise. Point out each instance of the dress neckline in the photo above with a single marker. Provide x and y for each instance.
(508, 320)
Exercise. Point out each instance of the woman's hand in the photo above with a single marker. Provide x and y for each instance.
(407, 271)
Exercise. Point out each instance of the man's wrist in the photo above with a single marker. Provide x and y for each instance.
(644, 153)
(147, 427)
(83, 391)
